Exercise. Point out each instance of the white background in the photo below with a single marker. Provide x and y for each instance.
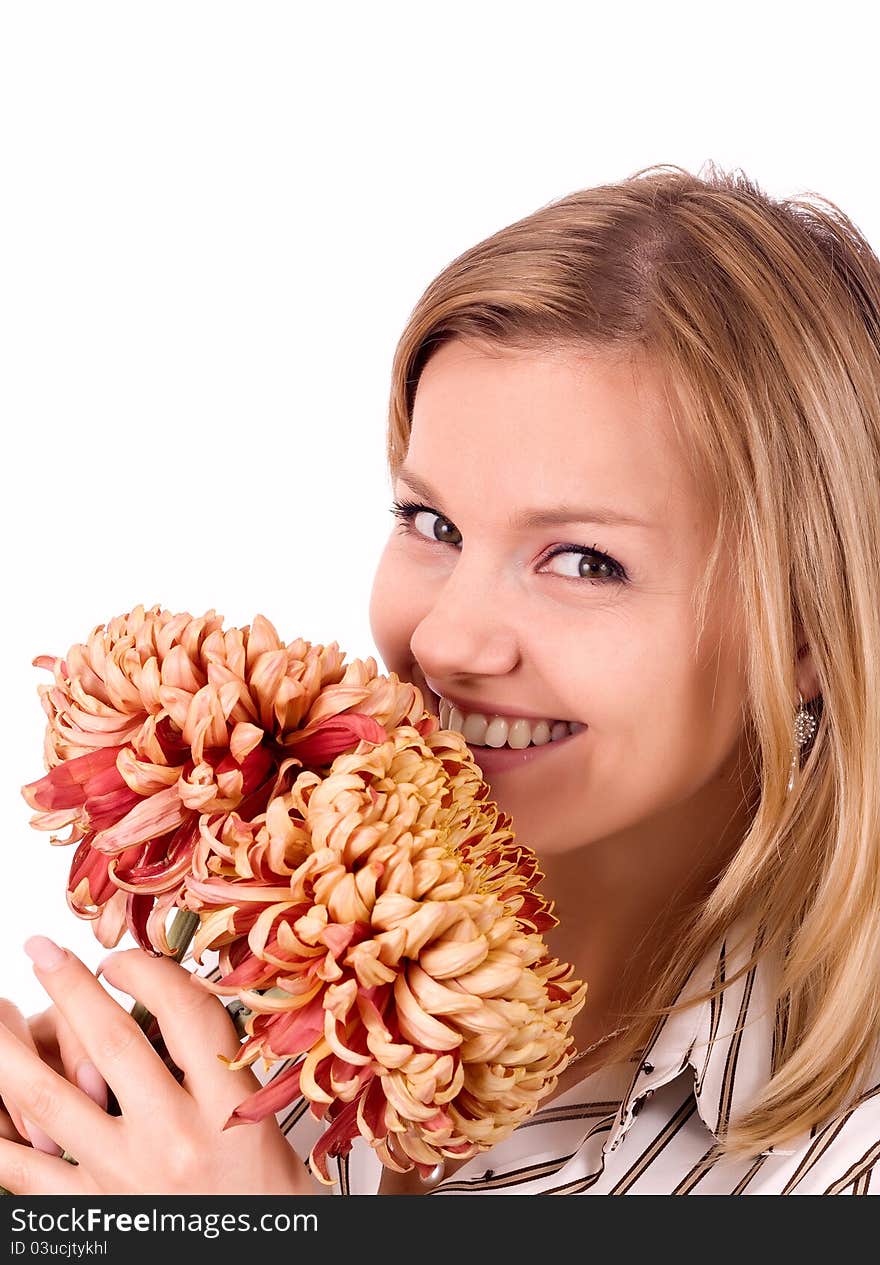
(216, 219)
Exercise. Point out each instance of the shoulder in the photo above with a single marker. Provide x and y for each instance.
(839, 1157)
(732, 1048)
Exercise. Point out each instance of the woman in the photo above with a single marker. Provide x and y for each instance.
(635, 446)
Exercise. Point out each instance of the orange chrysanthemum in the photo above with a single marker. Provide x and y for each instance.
(162, 721)
(368, 902)
(383, 923)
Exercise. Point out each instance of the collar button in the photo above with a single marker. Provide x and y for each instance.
(647, 1067)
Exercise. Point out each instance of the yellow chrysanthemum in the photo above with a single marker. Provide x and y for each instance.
(383, 923)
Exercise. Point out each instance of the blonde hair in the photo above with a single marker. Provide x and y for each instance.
(765, 315)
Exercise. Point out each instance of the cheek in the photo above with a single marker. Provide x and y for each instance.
(690, 713)
(645, 689)
(612, 669)
(393, 613)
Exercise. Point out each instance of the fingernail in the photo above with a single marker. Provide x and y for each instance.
(40, 1140)
(44, 953)
(91, 1082)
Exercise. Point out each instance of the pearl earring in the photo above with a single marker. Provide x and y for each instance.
(805, 726)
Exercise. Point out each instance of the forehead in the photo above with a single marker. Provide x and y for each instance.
(549, 425)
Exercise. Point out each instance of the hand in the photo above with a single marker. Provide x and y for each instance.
(169, 1138)
(51, 1037)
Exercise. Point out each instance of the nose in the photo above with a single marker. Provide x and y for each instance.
(467, 630)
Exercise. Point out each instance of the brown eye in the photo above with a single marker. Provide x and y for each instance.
(589, 564)
(441, 529)
(592, 564)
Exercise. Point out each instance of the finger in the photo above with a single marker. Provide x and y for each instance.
(43, 1030)
(112, 1039)
(12, 1018)
(60, 1047)
(194, 1023)
(48, 1101)
(8, 1129)
(24, 1171)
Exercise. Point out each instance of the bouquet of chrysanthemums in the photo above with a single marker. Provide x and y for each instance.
(370, 907)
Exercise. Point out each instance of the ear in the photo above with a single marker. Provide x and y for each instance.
(805, 674)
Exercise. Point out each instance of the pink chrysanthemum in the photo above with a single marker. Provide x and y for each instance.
(161, 722)
(383, 923)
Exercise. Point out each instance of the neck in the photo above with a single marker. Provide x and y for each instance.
(624, 901)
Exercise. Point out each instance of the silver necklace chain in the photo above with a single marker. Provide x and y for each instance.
(601, 1041)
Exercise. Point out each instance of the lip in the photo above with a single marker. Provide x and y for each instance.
(502, 759)
(491, 760)
(485, 708)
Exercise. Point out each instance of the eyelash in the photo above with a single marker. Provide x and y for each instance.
(406, 511)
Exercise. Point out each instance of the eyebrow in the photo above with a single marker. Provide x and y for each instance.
(539, 517)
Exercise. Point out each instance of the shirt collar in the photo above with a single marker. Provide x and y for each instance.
(729, 1067)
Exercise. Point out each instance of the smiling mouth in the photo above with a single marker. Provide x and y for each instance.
(505, 759)
(488, 732)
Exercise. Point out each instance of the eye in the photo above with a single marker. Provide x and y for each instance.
(591, 564)
(409, 512)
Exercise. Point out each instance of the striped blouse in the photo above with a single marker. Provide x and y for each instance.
(651, 1129)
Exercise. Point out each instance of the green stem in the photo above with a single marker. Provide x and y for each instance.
(181, 932)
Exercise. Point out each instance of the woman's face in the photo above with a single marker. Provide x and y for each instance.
(473, 603)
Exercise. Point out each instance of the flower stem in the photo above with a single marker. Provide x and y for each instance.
(180, 933)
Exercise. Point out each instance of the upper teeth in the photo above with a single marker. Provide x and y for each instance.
(498, 731)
